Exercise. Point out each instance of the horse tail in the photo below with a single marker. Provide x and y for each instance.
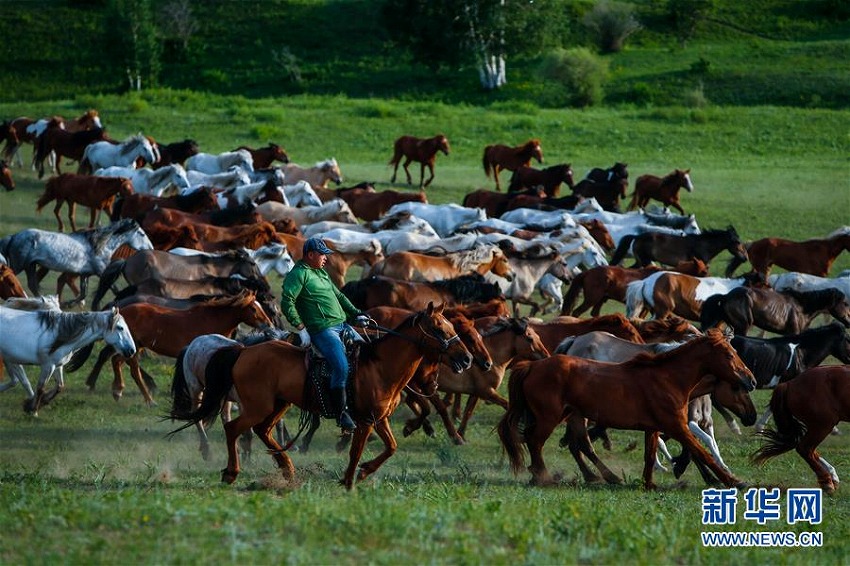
(572, 293)
(181, 399)
(107, 278)
(712, 312)
(634, 299)
(397, 153)
(40, 154)
(85, 167)
(622, 249)
(516, 415)
(49, 193)
(219, 381)
(79, 358)
(789, 430)
(565, 345)
(486, 162)
(733, 264)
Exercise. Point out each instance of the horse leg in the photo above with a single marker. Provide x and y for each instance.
(442, 409)
(650, 447)
(315, 421)
(264, 431)
(581, 440)
(422, 174)
(490, 395)
(420, 411)
(117, 377)
(807, 449)
(535, 438)
(136, 372)
(407, 162)
(72, 214)
(102, 357)
(675, 204)
(496, 170)
(203, 440)
(382, 427)
(32, 279)
(681, 433)
(32, 405)
(727, 416)
(56, 208)
(574, 442)
(355, 451)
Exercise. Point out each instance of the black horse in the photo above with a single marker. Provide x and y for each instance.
(670, 249)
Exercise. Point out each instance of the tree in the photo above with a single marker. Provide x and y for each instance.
(135, 40)
(687, 15)
(612, 23)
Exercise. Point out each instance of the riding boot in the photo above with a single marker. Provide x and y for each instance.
(343, 419)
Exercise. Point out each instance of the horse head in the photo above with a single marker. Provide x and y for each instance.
(117, 334)
(725, 364)
(434, 327)
(443, 144)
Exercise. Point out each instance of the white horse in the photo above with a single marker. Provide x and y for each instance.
(301, 194)
(336, 209)
(241, 195)
(211, 164)
(400, 221)
(543, 220)
(49, 339)
(99, 155)
(444, 218)
(319, 175)
(233, 177)
(803, 282)
(273, 256)
(150, 181)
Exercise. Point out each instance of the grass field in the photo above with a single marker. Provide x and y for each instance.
(95, 481)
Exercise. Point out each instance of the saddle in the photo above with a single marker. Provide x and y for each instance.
(317, 385)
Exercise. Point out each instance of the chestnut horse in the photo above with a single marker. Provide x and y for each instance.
(265, 156)
(664, 189)
(554, 331)
(412, 266)
(814, 256)
(135, 206)
(6, 177)
(544, 393)
(97, 193)
(550, 179)
(10, 285)
(370, 205)
(806, 410)
(498, 157)
(423, 151)
(270, 377)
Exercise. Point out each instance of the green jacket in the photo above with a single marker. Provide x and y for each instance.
(309, 297)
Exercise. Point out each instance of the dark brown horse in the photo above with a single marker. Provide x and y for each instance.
(788, 312)
(664, 189)
(550, 179)
(97, 193)
(814, 257)
(270, 377)
(423, 151)
(498, 157)
(175, 153)
(806, 410)
(135, 206)
(265, 156)
(64, 144)
(6, 177)
(617, 171)
(544, 393)
(495, 204)
(607, 193)
(370, 205)
(380, 291)
(670, 249)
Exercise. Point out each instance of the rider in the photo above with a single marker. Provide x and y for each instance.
(317, 309)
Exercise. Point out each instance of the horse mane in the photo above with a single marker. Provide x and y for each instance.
(646, 359)
(98, 238)
(189, 200)
(469, 288)
(327, 163)
(811, 301)
(843, 231)
(469, 260)
(264, 335)
(517, 325)
(131, 143)
(67, 326)
(669, 324)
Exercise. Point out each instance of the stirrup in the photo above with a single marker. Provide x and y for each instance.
(345, 422)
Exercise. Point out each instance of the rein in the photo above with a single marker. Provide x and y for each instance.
(445, 344)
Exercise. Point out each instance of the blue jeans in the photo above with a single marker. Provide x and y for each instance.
(329, 343)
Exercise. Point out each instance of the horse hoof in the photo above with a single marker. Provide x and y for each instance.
(117, 395)
(406, 431)
(228, 477)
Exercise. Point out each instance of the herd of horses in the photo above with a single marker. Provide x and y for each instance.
(193, 247)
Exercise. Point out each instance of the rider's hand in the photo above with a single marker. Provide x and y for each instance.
(362, 320)
(305, 338)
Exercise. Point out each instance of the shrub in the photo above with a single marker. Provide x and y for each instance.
(611, 23)
(695, 98)
(573, 77)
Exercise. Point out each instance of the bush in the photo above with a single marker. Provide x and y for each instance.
(573, 77)
(611, 23)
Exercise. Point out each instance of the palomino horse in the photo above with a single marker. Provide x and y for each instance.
(97, 193)
(319, 175)
(664, 189)
(670, 249)
(63, 144)
(549, 178)
(84, 253)
(175, 153)
(166, 331)
(212, 164)
(788, 312)
(48, 339)
(498, 157)
(269, 378)
(813, 257)
(263, 157)
(543, 393)
(423, 151)
(806, 411)
(377, 291)
(102, 154)
(411, 266)
(6, 177)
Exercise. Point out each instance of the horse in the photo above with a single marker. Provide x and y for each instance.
(48, 339)
(155, 263)
(807, 410)
(543, 393)
(274, 256)
(806, 282)
(84, 253)
(411, 266)
(175, 153)
(10, 286)
(150, 181)
(319, 175)
(671, 249)
(212, 164)
(788, 312)
(64, 144)
(136, 206)
(6, 177)
(25, 130)
(102, 154)
(263, 157)
(97, 193)
(336, 210)
(377, 291)
(371, 205)
(617, 171)
(249, 194)
(498, 157)
(549, 178)
(610, 282)
(554, 331)
(340, 261)
(814, 257)
(607, 193)
(664, 189)
(265, 392)
(495, 204)
(669, 329)
(423, 151)
(233, 177)
(444, 218)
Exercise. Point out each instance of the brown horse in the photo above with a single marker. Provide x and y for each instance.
(377, 291)
(339, 262)
(6, 177)
(175, 153)
(10, 286)
(669, 329)
(137, 205)
(788, 312)
(370, 205)
(265, 156)
(412, 266)
(663, 189)
(64, 144)
(550, 179)
(544, 393)
(554, 331)
(814, 257)
(806, 410)
(17, 134)
(670, 249)
(495, 204)
(498, 157)
(207, 237)
(270, 377)
(423, 151)
(97, 193)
